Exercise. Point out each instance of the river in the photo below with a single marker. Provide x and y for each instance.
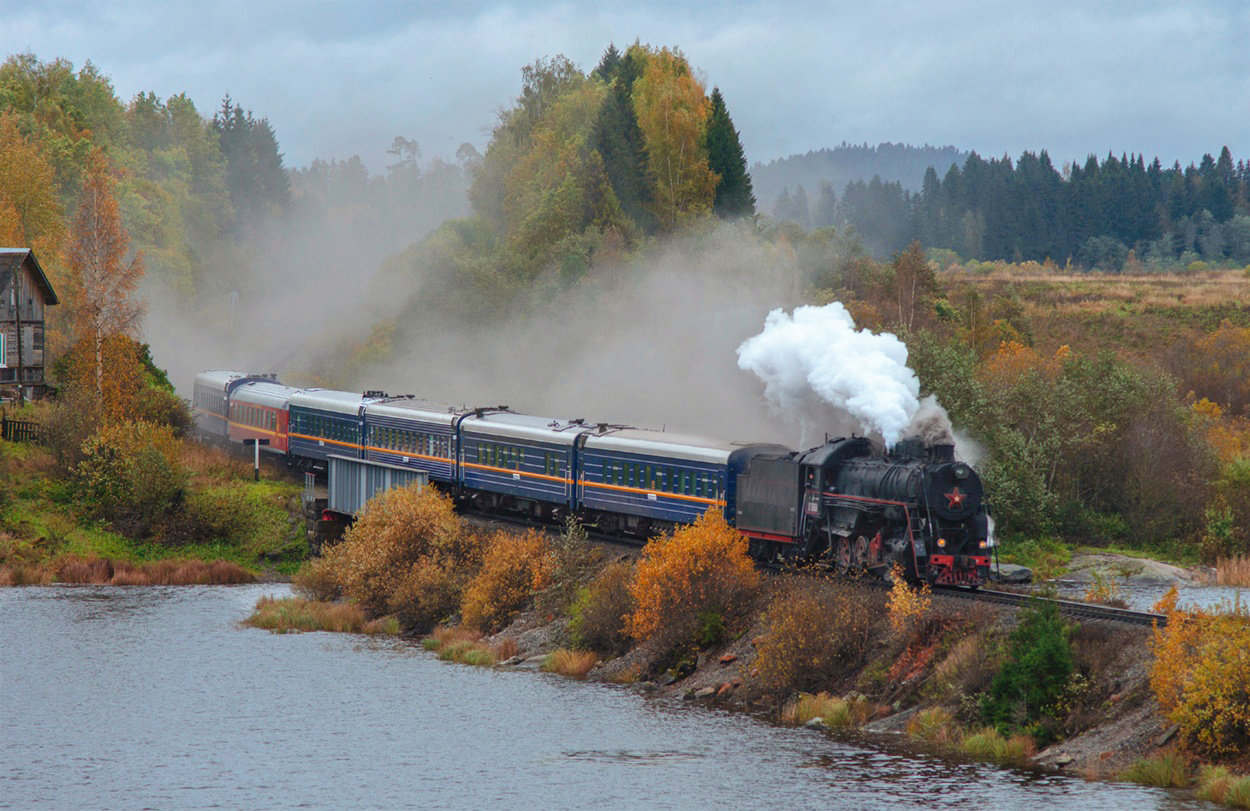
(156, 698)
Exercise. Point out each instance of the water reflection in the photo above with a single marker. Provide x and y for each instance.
(155, 697)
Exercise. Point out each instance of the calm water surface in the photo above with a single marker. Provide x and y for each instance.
(155, 697)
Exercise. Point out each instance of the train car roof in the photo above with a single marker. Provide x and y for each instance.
(662, 443)
(422, 410)
(340, 402)
(523, 426)
(217, 378)
(264, 392)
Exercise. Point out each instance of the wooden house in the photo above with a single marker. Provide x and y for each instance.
(24, 295)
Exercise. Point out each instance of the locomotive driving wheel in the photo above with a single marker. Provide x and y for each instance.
(859, 554)
(842, 555)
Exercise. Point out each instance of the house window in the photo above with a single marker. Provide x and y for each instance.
(4, 351)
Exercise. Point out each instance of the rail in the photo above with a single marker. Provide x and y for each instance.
(1071, 608)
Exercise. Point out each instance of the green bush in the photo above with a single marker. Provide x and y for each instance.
(599, 611)
(130, 476)
(1028, 692)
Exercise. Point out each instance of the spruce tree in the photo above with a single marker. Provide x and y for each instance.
(734, 196)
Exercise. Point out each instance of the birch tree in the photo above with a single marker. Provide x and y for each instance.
(103, 281)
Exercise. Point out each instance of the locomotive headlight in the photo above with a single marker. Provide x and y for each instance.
(942, 543)
(984, 545)
(962, 471)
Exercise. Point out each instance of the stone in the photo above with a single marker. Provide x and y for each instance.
(705, 692)
(816, 723)
(1010, 573)
(1167, 735)
(727, 658)
(1063, 759)
(724, 688)
(736, 682)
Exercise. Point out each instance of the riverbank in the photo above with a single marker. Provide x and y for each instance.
(1118, 724)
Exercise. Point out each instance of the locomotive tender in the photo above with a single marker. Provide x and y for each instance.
(843, 504)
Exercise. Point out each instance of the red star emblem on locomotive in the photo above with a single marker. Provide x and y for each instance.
(955, 499)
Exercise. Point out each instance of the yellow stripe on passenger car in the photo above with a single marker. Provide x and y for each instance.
(323, 439)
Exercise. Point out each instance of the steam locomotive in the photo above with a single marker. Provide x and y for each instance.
(845, 504)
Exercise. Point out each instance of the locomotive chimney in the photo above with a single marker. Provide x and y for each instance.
(943, 453)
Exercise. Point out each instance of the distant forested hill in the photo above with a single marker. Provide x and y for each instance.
(898, 163)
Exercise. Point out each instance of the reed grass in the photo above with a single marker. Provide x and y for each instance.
(506, 648)
(935, 725)
(1234, 571)
(834, 711)
(461, 645)
(572, 663)
(106, 571)
(1218, 785)
(297, 615)
(988, 744)
(1167, 770)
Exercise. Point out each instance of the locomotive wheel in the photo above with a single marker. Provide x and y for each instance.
(842, 556)
(859, 554)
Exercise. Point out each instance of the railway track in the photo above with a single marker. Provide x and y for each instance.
(1071, 608)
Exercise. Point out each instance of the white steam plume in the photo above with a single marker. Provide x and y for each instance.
(816, 356)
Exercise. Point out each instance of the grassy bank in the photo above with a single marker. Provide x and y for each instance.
(217, 526)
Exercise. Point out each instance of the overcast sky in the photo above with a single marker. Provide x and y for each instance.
(336, 78)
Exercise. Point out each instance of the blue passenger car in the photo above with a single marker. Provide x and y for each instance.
(519, 463)
(639, 482)
(324, 422)
(414, 434)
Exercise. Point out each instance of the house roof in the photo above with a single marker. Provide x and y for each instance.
(13, 258)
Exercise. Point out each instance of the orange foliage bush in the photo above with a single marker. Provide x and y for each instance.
(907, 606)
(408, 555)
(689, 584)
(1201, 676)
(1013, 361)
(813, 631)
(513, 568)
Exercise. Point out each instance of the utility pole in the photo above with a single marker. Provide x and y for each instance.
(256, 443)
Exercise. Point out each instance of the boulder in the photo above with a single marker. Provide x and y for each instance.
(705, 692)
(1010, 573)
(816, 723)
(727, 658)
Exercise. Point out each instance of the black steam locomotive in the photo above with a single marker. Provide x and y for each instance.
(860, 511)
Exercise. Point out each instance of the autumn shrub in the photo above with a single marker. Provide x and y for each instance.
(907, 605)
(598, 614)
(689, 585)
(513, 568)
(315, 580)
(813, 632)
(130, 476)
(1201, 676)
(1166, 770)
(1105, 590)
(1028, 691)
(572, 663)
(407, 555)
